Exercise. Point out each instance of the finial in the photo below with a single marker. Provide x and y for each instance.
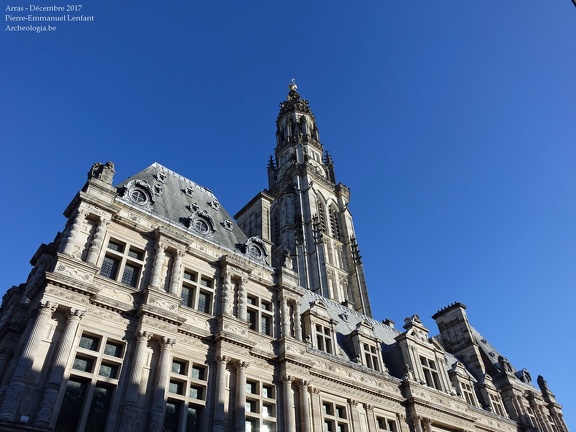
(292, 86)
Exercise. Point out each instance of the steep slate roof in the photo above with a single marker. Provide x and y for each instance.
(176, 198)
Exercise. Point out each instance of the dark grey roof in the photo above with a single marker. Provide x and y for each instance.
(178, 201)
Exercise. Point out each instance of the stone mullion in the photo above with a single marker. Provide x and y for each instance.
(289, 415)
(175, 275)
(240, 424)
(59, 366)
(218, 424)
(129, 414)
(68, 247)
(159, 258)
(97, 241)
(19, 380)
(164, 367)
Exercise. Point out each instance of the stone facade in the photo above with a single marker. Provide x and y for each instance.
(154, 311)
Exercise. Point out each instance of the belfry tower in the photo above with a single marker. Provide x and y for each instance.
(304, 216)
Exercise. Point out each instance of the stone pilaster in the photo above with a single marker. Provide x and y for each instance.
(285, 315)
(157, 266)
(242, 298)
(175, 275)
(158, 403)
(226, 293)
(129, 411)
(240, 424)
(218, 424)
(297, 322)
(306, 414)
(289, 414)
(59, 366)
(97, 240)
(70, 244)
(370, 417)
(19, 380)
(355, 414)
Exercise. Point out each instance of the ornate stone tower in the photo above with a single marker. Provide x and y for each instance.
(304, 213)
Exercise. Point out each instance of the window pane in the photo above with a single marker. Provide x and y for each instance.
(83, 364)
(204, 302)
(89, 342)
(113, 349)
(108, 370)
(133, 253)
(196, 392)
(98, 409)
(71, 406)
(193, 418)
(178, 367)
(130, 276)
(109, 267)
(198, 373)
(186, 296)
(118, 247)
(171, 417)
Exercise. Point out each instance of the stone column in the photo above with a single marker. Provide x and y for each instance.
(306, 414)
(59, 366)
(158, 402)
(19, 380)
(242, 299)
(97, 240)
(129, 412)
(289, 414)
(226, 297)
(297, 322)
(240, 424)
(370, 417)
(218, 425)
(175, 274)
(285, 311)
(67, 248)
(156, 279)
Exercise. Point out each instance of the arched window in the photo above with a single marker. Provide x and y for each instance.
(334, 223)
(321, 215)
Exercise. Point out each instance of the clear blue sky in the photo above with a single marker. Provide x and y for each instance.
(453, 123)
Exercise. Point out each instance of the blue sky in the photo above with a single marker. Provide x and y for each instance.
(451, 121)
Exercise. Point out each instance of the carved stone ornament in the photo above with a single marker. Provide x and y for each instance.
(100, 171)
(139, 192)
(255, 248)
(201, 222)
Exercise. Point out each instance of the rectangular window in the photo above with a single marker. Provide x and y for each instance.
(386, 424)
(195, 295)
(122, 260)
(430, 373)
(335, 417)
(324, 338)
(371, 357)
(260, 406)
(113, 349)
(89, 342)
(83, 364)
(109, 370)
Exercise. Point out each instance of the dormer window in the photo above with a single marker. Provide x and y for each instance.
(138, 196)
(324, 338)
(430, 373)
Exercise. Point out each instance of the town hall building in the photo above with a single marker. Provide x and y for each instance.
(157, 310)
